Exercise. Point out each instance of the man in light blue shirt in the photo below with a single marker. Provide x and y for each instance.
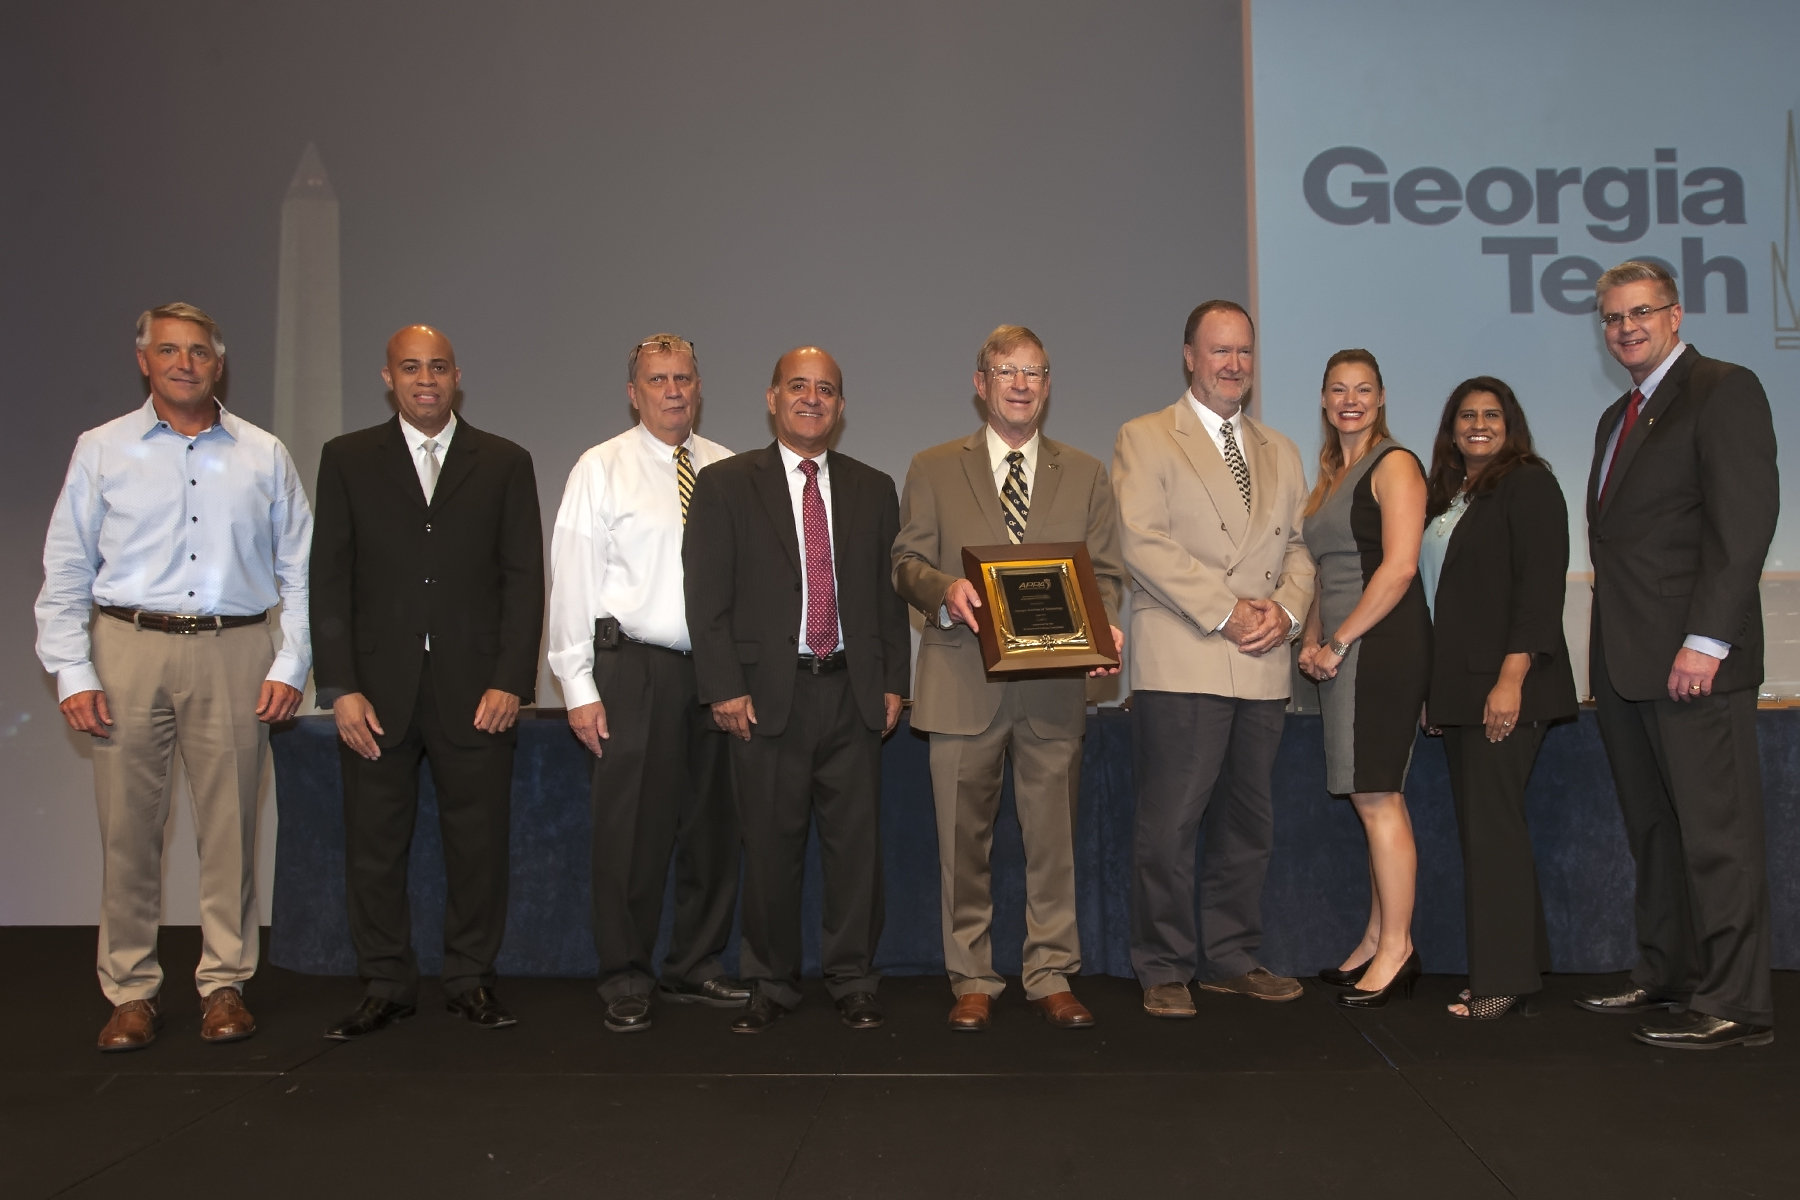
(183, 525)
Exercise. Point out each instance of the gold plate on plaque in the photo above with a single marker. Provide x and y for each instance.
(1043, 611)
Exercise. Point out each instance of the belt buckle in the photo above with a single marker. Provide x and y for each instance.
(815, 664)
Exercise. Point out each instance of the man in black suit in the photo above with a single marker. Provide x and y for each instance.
(1681, 507)
(801, 648)
(427, 606)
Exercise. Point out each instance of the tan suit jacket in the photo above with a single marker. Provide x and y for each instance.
(949, 502)
(1193, 552)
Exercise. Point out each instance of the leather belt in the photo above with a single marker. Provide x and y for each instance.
(179, 622)
(834, 661)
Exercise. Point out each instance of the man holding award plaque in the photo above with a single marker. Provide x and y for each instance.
(1209, 508)
(1001, 667)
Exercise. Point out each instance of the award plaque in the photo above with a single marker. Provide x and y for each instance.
(1041, 612)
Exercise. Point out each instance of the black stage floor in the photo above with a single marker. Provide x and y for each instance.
(1253, 1099)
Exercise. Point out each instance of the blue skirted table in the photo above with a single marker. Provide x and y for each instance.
(1314, 906)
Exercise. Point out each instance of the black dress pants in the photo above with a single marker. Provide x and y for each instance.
(381, 801)
(1201, 758)
(1690, 786)
(826, 765)
(662, 789)
(1509, 948)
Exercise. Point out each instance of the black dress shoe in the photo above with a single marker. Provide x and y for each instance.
(717, 992)
(481, 1006)
(1699, 1031)
(628, 1014)
(760, 1013)
(1337, 978)
(1631, 1000)
(1401, 984)
(371, 1016)
(859, 1010)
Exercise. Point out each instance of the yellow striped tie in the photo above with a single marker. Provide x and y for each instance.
(684, 479)
(1015, 498)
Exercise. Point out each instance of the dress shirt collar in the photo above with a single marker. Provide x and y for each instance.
(415, 439)
(657, 448)
(1648, 387)
(150, 422)
(998, 450)
(1213, 421)
(790, 462)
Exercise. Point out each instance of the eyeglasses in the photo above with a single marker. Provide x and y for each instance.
(666, 346)
(1008, 374)
(1636, 315)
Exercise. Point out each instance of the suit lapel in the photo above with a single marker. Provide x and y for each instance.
(1203, 455)
(1263, 470)
(843, 510)
(1608, 419)
(459, 463)
(980, 474)
(1043, 486)
(1471, 517)
(771, 487)
(397, 461)
(1667, 392)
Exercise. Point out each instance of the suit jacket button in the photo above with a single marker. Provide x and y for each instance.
(1230, 570)
(793, 639)
(1222, 528)
(1268, 574)
(428, 527)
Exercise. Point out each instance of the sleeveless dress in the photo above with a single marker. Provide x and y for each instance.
(1372, 706)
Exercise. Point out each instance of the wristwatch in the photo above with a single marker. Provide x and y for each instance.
(1341, 649)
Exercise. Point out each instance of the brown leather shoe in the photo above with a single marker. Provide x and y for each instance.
(1064, 1011)
(1169, 1000)
(224, 1017)
(132, 1027)
(1260, 984)
(970, 1014)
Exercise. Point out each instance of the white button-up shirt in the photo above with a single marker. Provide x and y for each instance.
(213, 525)
(616, 552)
(796, 481)
(997, 452)
(415, 446)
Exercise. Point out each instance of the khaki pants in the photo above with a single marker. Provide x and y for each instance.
(965, 785)
(196, 694)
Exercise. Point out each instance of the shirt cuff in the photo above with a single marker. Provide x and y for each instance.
(289, 669)
(71, 680)
(1706, 645)
(579, 691)
(1293, 621)
(943, 617)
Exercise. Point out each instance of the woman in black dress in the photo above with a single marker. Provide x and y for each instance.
(1367, 640)
(1495, 559)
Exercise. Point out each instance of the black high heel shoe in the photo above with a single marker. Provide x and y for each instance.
(1402, 982)
(1350, 978)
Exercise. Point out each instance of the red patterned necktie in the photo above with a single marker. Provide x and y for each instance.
(1612, 465)
(821, 581)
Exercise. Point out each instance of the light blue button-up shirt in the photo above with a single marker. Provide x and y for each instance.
(215, 525)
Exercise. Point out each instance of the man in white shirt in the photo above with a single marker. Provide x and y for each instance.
(619, 645)
(185, 526)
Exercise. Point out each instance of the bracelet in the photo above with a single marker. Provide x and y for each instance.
(1341, 649)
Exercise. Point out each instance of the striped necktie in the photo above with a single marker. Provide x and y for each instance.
(1234, 458)
(1015, 497)
(684, 479)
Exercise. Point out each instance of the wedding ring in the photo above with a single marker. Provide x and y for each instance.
(1694, 687)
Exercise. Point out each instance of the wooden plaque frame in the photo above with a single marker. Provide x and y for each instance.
(1009, 654)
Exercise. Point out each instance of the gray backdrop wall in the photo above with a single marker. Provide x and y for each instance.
(549, 183)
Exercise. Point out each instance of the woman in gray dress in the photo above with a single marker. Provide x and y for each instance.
(1367, 640)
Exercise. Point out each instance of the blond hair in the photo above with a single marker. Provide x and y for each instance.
(179, 311)
(1008, 337)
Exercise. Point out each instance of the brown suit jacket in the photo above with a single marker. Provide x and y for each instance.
(1193, 552)
(949, 502)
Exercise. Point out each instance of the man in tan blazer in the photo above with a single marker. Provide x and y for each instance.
(1209, 509)
(1004, 483)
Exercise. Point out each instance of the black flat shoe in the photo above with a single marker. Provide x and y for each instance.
(481, 1006)
(760, 1013)
(1631, 1000)
(1699, 1031)
(371, 1016)
(1492, 1008)
(718, 992)
(1401, 984)
(1350, 978)
(628, 1014)
(859, 1010)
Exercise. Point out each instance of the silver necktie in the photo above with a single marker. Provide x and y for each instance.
(430, 477)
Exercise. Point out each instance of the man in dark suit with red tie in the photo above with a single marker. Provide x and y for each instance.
(1681, 508)
(802, 649)
(427, 606)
